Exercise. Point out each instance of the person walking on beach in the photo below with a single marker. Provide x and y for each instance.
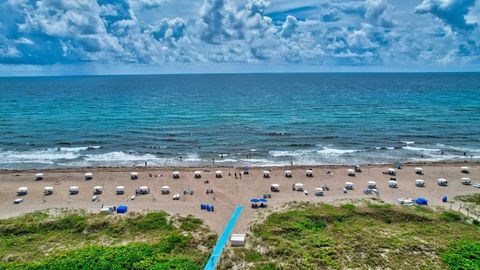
(236, 175)
(145, 164)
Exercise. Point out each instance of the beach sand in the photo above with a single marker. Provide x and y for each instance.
(228, 191)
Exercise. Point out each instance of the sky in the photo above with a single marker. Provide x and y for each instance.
(66, 37)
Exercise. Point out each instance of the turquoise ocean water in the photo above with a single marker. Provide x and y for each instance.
(248, 119)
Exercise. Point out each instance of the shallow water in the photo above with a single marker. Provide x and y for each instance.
(249, 119)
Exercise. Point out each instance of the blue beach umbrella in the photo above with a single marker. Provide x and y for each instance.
(263, 200)
(254, 200)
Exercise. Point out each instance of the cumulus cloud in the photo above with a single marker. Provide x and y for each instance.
(311, 32)
(289, 26)
(451, 12)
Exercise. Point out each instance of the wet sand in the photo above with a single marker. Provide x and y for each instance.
(228, 191)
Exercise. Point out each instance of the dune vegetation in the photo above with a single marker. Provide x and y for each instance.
(367, 236)
(77, 240)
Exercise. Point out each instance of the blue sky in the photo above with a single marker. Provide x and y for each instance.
(52, 37)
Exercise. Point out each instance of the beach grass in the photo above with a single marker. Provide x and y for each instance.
(470, 198)
(78, 240)
(366, 236)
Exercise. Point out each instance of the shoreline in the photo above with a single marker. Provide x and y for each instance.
(229, 191)
(141, 168)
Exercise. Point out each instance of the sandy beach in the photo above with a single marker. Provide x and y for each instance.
(228, 191)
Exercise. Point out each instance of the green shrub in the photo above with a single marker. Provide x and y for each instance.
(463, 255)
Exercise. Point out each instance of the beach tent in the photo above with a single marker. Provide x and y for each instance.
(275, 188)
(466, 181)
(97, 190)
(237, 240)
(319, 191)
(120, 190)
(266, 174)
(351, 172)
(88, 176)
(418, 170)
(254, 202)
(176, 175)
(197, 174)
(22, 191)
(143, 190)
(348, 185)
(122, 209)
(309, 173)
(165, 190)
(246, 170)
(465, 170)
(372, 184)
(39, 176)
(442, 182)
(392, 184)
(133, 175)
(298, 187)
(288, 173)
(74, 190)
(421, 201)
(218, 174)
(48, 190)
(176, 197)
(391, 171)
(398, 165)
(420, 183)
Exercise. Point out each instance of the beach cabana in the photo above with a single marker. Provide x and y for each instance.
(119, 190)
(176, 175)
(419, 170)
(266, 174)
(39, 176)
(237, 240)
(73, 190)
(465, 169)
(391, 171)
(421, 201)
(298, 187)
(275, 188)
(420, 183)
(143, 190)
(197, 174)
(442, 182)
(466, 181)
(48, 190)
(372, 184)
(97, 190)
(88, 176)
(176, 197)
(133, 175)
(122, 209)
(351, 172)
(392, 184)
(18, 200)
(318, 191)
(309, 173)
(288, 173)
(348, 185)
(165, 190)
(22, 191)
(218, 174)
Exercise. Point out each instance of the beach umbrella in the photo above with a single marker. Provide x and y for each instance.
(263, 200)
(254, 200)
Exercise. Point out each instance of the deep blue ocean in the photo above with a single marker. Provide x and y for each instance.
(238, 119)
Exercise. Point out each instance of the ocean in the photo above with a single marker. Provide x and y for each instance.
(238, 119)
